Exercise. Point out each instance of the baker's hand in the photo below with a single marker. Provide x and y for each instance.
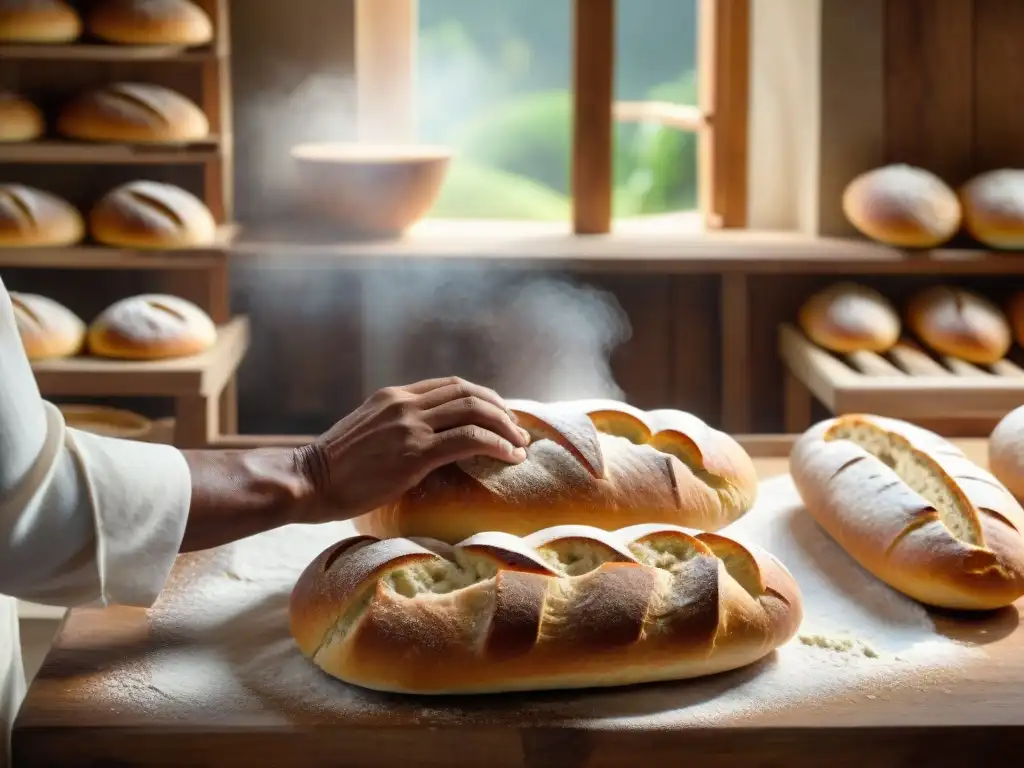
(401, 434)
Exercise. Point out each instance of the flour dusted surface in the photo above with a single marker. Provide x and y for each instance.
(228, 647)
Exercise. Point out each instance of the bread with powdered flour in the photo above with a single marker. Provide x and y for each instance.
(1006, 451)
(151, 327)
(150, 22)
(133, 112)
(565, 607)
(903, 206)
(959, 323)
(993, 205)
(913, 510)
(20, 119)
(38, 21)
(847, 317)
(151, 214)
(590, 462)
(32, 217)
(47, 328)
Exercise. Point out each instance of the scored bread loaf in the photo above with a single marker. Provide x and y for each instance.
(151, 327)
(565, 607)
(847, 317)
(902, 205)
(32, 217)
(993, 205)
(47, 329)
(133, 112)
(20, 119)
(959, 323)
(590, 462)
(1006, 452)
(150, 214)
(150, 22)
(38, 21)
(913, 510)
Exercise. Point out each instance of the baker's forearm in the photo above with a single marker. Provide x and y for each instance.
(236, 494)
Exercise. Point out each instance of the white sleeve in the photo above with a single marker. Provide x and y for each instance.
(83, 518)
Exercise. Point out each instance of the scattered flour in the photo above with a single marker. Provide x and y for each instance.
(235, 654)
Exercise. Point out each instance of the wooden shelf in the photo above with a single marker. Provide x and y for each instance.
(100, 52)
(102, 257)
(58, 152)
(907, 382)
(36, 612)
(203, 375)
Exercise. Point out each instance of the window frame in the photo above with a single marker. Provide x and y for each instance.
(386, 36)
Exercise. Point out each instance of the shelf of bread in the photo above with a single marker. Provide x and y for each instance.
(89, 52)
(57, 152)
(906, 381)
(202, 375)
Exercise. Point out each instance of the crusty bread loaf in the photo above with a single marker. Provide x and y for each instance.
(149, 214)
(565, 607)
(20, 119)
(150, 22)
(151, 327)
(48, 329)
(38, 21)
(133, 112)
(1006, 451)
(903, 206)
(993, 205)
(847, 317)
(1015, 315)
(31, 217)
(590, 462)
(913, 510)
(959, 323)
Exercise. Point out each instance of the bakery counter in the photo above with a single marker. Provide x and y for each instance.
(210, 676)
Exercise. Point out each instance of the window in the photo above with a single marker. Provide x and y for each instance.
(593, 112)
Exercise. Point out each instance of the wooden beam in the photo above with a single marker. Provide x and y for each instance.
(385, 37)
(593, 95)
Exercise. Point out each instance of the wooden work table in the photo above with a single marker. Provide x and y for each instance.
(207, 681)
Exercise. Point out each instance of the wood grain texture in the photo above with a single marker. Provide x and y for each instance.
(998, 84)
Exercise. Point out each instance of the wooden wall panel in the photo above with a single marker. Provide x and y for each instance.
(998, 84)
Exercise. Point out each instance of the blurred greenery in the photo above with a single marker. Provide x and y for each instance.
(494, 83)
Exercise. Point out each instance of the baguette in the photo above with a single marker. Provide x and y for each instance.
(566, 607)
(590, 462)
(913, 510)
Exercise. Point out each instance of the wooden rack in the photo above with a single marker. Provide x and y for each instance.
(202, 387)
(906, 382)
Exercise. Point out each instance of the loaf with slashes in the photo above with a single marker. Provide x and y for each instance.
(590, 462)
(914, 510)
(565, 607)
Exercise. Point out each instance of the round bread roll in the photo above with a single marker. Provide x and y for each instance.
(903, 206)
(38, 21)
(590, 462)
(1006, 452)
(151, 327)
(150, 22)
(565, 607)
(133, 112)
(847, 317)
(149, 214)
(20, 119)
(47, 329)
(109, 422)
(993, 206)
(959, 323)
(31, 217)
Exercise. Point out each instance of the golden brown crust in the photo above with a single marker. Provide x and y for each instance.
(993, 205)
(913, 510)
(38, 21)
(47, 329)
(133, 112)
(959, 323)
(20, 119)
(150, 22)
(589, 608)
(591, 462)
(109, 422)
(1006, 452)
(150, 214)
(903, 206)
(847, 317)
(151, 327)
(32, 217)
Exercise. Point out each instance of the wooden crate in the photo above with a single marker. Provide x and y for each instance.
(203, 388)
(906, 383)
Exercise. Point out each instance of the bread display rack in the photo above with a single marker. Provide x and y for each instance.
(907, 383)
(203, 386)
